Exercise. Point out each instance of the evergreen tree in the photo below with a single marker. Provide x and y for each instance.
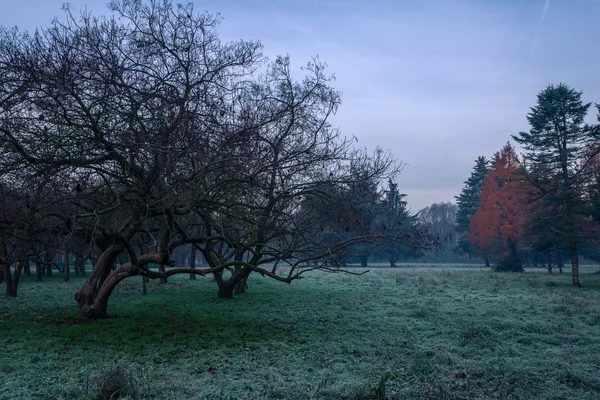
(394, 218)
(468, 203)
(497, 227)
(557, 151)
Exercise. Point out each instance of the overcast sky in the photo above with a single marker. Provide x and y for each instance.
(436, 82)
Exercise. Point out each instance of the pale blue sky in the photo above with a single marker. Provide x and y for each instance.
(436, 82)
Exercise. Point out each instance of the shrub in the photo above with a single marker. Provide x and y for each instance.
(509, 264)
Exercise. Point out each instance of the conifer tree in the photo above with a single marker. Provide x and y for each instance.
(557, 149)
(468, 203)
(496, 229)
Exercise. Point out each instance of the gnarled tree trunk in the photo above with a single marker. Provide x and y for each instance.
(549, 256)
(227, 287)
(86, 297)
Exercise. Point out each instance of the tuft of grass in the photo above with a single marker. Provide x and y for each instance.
(117, 382)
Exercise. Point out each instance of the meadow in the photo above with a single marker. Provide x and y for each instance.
(403, 333)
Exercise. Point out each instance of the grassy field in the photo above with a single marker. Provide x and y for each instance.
(431, 333)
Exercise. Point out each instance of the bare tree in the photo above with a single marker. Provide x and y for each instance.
(162, 136)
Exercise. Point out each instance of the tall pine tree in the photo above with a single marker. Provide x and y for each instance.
(468, 203)
(557, 150)
(496, 229)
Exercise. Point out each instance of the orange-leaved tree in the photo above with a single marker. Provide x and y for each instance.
(496, 229)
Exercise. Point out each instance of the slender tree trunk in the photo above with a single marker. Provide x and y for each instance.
(82, 271)
(38, 272)
(93, 259)
(27, 268)
(7, 280)
(161, 268)
(144, 285)
(2, 273)
(79, 264)
(549, 255)
(487, 262)
(560, 262)
(66, 268)
(193, 262)
(392, 262)
(48, 266)
(575, 264)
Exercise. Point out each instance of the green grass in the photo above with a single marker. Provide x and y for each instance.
(393, 333)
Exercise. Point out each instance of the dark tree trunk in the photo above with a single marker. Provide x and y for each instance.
(364, 262)
(144, 285)
(38, 272)
(86, 296)
(487, 262)
(79, 264)
(549, 255)
(560, 261)
(392, 262)
(228, 286)
(8, 281)
(12, 282)
(97, 308)
(242, 285)
(161, 268)
(575, 264)
(27, 269)
(193, 262)
(66, 268)
(106, 272)
(93, 259)
(2, 274)
(48, 265)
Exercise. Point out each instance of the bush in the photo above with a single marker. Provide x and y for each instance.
(509, 264)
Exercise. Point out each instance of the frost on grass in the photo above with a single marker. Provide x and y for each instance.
(431, 333)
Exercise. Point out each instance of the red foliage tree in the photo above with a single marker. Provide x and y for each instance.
(497, 226)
